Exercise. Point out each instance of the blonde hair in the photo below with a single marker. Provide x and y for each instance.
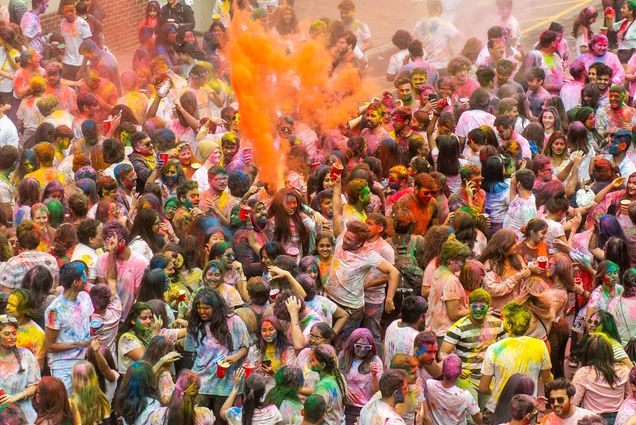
(89, 400)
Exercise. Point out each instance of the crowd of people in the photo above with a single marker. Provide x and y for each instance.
(462, 249)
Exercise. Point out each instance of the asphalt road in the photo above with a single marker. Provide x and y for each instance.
(472, 17)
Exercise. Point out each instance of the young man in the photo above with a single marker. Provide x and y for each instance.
(393, 388)
(505, 127)
(31, 27)
(376, 281)
(216, 201)
(448, 301)
(479, 114)
(314, 410)
(470, 195)
(67, 333)
(353, 261)
(177, 13)
(522, 409)
(74, 30)
(421, 203)
(121, 264)
(400, 335)
(65, 95)
(600, 75)
(559, 392)
(618, 115)
(515, 354)
(101, 61)
(523, 206)
(441, 38)
(447, 400)
(617, 148)
(461, 337)
(8, 130)
(536, 93)
(374, 132)
(503, 72)
(361, 30)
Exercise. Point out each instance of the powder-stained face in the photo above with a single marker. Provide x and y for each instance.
(479, 310)
(560, 402)
(426, 353)
(213, 276)
(610, 279)
(143, 322)
(268, 332)
(8, 336)
(373, 118)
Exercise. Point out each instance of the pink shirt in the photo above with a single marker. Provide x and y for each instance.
(445, 286)
(129, 275)
(595, 394)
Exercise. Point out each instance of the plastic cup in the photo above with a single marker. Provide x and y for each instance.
(244, 212)
(543, 262)
(248, 368)
(315, 165)
(336, 170)
(95, 326)
(221, 368)
(293, 252)
(163, 159)
(625, 203)
(273, 293)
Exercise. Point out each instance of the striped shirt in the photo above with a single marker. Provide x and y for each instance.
(471, 341)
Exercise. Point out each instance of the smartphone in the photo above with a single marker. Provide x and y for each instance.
(433, 96)
(266, 363)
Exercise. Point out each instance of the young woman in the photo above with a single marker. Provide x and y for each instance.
(234, 275)
(145, 238)
(556, 150)
(324, 253)
(505, 269)
(254, 411)
(466, 232)
(52, 405)
(448, 161)
(284, 395)
(287, 222)
(601, 384)
(214, 275)
(604, 323)
(272, 350)
(215, 335)
(136, 399)
(39, 282)
(30, 334)
(497, 187)
(88, 400)
(183, 409)
(328, 311)
(361, 367)
(20, 370)
(332, 385)
(549, 119)
(582, 30)
(27, 196)
(606, 228)
(620, 307)
(321, 333)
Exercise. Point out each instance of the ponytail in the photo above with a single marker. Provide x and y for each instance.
(254, 392)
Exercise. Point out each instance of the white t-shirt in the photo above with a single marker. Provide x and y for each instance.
(8, 132)
(579, 413)
(396, 62)
(473, 119)
(398, 340)
(449, 405)
(555, 231)
(89, 256)
(378, 412)
(436, 34)
(74, 34)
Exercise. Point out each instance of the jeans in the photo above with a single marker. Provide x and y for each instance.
(353, 323)
(371, 321)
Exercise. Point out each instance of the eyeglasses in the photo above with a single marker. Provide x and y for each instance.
(559, 400)
(363, 347)
(479, 306)
(4, 319)
(593, 321)
(312, 336)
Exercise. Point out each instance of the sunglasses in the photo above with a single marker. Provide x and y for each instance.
(559, 400)
(479, 306)
(363, 347)
(593, 322)
(4, 319)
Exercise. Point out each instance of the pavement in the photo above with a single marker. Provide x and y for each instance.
(472, 17)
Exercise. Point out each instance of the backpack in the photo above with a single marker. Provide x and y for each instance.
(411, 274)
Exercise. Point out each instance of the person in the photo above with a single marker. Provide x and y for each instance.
(88, 400)
(515, 354)
(213, 335)
(460, 336)
(393, 388)
(21, 371)
(51, 403)
(31, 26)
(177, 13)
(603, 394)
(447, 400)
(285, 394)
(315, 409)
(74, 30)
(582, 29)
(183, 402)
(331, 386)
(401, 333)
(120, 263)
(357, 361)
(523, 409)
(271, 351)
(447, 298)
(628, 407)
(136, 400)
(421, 203)
(559, 393)
(254, 410)
(30, 334)
(598, 52)
(67, 333)
(620, 307)
(351, 264)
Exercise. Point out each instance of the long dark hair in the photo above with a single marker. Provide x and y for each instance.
(516, 384)
(598, 354)
(448, 158)
(493, 173)
(183, 401)
(153, 284)
(496, 249)
(142, 227)
(217, 324)
(289, 380)
(282, 232)
(465, 229)
(139, 383)
(253, 393)
(127, 326)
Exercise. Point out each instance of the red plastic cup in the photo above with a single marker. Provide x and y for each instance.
(221, 368)
(107, 124)
(609, 11)
(336, 170)
(543, 262)
(248, 368)
(273, 293)
(244, 212)
(315, 165)
(293, 252)
(95, 326)
(163, 158)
